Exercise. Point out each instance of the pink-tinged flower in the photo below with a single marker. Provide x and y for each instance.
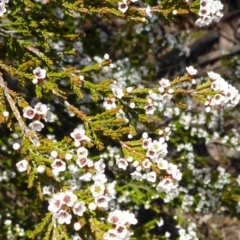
(102, 201)
(79, 208)
(29, 112)
(122, 163)
(115, 217)
(58, 166)
(122, 231)
(55, 202)
(122, 6)
(109, 103)
(151, 153)
(22, 165)
(39, 73)
(63, 217)
(36, 126)
(165, 185)
(82, 161)
(97, 189)
(150, 109)
(191, 70)
(146, 143)
(69, 198)
(41, 108)
(78, 134)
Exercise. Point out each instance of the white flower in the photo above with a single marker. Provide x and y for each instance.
(148, 11)
(177, 175)
(171, 168)
(36, 126)
(117, 91)
(82, 152)
(151, 176)
(137, 175)
(69, 198)
(165, 185)
(6, 114)
(78, 134)
(39, 73)
(54, 154)
(115, 217)
(99, 166)
(41, 169)
(86, 177)
(29, 112)
(122, 231)
(48, 117)
(100, 178)
(16, 146)
(97, 189)
(41, 108)
(162, 164)
(128, 218)
(191, 70)
(63, 217)
(146, 163)
(2, 8)
(164, 83)
(79, 208)
(58, 166)
(109, 103)
(122, 163)
(92, 206)
(82, 161)
(150, 109)
(56, 202)
(122, 6)
(102, 201)
(77, 226)
(22, 165)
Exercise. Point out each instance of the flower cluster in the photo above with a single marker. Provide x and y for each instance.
(39, 111)
(227, 95)
(61, 204)
(120, 220)
(154, 164)
(210, 11)
(3, 7)
(155, 100)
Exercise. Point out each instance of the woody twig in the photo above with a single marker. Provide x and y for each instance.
(29, 134)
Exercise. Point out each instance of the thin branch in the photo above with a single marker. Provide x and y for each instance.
(31, 135)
